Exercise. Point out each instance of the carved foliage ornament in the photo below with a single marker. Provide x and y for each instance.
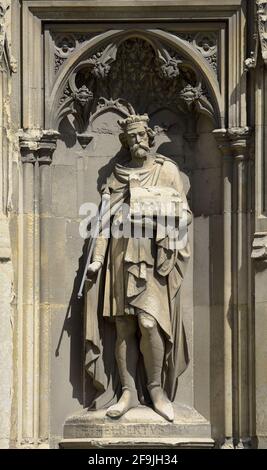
(132, 77)
(206, 43)
(65, 44)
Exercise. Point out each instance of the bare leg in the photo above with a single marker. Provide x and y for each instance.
(126, 357)
(153, 348)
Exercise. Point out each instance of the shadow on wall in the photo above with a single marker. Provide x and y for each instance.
(74, 320)
(173, 145)
(73, 326)
(67, 132)
(73, 323)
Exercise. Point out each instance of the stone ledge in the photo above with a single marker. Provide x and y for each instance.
(140, 427)
(140, 443)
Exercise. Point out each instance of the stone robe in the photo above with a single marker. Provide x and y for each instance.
(138, 273)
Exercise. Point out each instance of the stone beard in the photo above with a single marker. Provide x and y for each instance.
(135, 341)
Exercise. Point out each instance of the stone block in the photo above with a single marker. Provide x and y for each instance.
(260, 285)
(74, 258)
(261, 360)
(45, 189)
(57, 261)
(170, 145)
(139, 427)
(216, 351)
(95, 173)
(67, 151)
(216, 245)
(64, 191)
(207, 194)
(44, 386)
(202, 359)
(65, 365)
(201, 258)
(46, 237)
(207, 154)
(186, 380)
(6, 351)
(103, 145)
(15, 188)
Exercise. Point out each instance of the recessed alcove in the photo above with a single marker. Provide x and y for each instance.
(183, 130)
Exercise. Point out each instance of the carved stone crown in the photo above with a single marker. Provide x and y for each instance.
(132, 120)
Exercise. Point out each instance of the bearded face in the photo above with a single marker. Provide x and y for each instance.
(137, 140)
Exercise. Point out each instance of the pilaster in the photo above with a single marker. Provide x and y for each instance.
(222, 138)
(37, 147)
(234, 144)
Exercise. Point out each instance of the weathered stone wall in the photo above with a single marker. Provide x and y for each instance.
(7, 152)
(81, 171)
(42, 188)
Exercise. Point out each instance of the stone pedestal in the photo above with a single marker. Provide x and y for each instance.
(141, 427)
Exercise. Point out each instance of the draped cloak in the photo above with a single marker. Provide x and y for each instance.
(137, 273)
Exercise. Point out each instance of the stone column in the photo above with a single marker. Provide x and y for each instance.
(37, 147)
(238, 321)
(222, 138)
(239, 140)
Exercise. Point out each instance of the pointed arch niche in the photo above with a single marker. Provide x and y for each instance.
(89, 86)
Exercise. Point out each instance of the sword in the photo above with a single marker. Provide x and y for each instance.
(104, 205)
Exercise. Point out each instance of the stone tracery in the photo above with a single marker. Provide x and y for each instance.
(132, 75)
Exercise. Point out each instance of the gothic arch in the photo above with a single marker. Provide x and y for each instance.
(208, 101)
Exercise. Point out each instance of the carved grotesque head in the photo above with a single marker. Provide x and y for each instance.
(136, 135)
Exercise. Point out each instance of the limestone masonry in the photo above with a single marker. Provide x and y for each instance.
(149, 105)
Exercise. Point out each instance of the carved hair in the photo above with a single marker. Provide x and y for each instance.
(135, 118)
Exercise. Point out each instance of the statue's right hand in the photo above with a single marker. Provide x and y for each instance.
(93, 268)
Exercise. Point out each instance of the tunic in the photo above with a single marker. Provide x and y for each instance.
(143, 273)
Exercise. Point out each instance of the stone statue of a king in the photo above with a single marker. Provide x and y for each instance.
(135, 344)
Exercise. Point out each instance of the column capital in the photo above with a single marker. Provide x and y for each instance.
(234, 141)
(240, 141)
(37, 145)
(222, 138)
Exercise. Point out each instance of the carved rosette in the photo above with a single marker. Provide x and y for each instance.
(206, 44)
(132, 76)
(37, 145)
(64, 46)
